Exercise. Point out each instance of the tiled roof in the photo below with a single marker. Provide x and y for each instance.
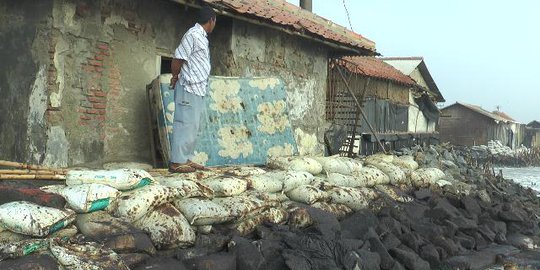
(296, 19)
(376, 68)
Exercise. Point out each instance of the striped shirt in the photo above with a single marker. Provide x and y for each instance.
(194, 50)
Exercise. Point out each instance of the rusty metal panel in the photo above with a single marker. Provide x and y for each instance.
(246, 120)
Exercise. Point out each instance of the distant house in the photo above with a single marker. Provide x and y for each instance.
(532, 134)
(466, 124)
(74, 73)
(396, 106)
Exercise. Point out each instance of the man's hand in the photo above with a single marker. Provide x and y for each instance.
(174, 79)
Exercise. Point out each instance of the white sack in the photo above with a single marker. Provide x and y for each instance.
(226, 186)
(294, 179)
(32, 219)
(306, 194)
(268, 182)
(425, 177)
(86, 198)
(167, 227)
(203, 212)
(187, 188)
(370, 176)
(134, 204)
(122, 179)
(354, 198)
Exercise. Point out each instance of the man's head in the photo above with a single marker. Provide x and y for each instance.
(207, 18)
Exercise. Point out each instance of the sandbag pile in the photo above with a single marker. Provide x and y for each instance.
(168, 212)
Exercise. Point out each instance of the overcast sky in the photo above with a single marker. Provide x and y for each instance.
(481, 52)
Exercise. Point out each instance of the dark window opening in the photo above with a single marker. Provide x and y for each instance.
(165, 65)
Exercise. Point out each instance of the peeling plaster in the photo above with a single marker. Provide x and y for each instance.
(234, 140)
(57, 148)
(272, 117)
(114, 19)
(300, 99)
(225, 96)
(264, 83)
(307, 143)
(37, 107)
(64, 18)
(59, 59)
(281, 150)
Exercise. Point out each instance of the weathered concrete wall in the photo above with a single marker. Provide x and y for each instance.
(73, 86)
(104, 53)
(24, 31)
(302, 64)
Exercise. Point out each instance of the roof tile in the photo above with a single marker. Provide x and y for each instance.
(286, 14)
(376, 68)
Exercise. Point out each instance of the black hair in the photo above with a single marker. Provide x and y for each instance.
(205, 14)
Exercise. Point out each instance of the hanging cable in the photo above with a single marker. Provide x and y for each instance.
(348, 17)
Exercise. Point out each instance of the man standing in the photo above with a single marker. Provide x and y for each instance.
(192, 62)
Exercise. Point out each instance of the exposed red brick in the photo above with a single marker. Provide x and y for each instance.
(99, 57)
(99, 93)
(85, 117)
(96, 99)
(103, 46)
(92, 111)
(100, 70)
(95, 63)
(83, 123)
(99, 106)
(102, 111)
(106, 53)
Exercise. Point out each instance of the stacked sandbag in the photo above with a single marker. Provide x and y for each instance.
(31, 219)
(87, 256)
(86, 198)
(270, 182)
(202, 212)
(122, 179)
(370, 176)
(167, 227)
(294, 179)
(187, 188)
(224, 186)
(384, 163)
(354, 198)
(405, 162)
(299, 164)
(341, 165)
(426, 177)
(307, 194)
(134, 204)
(241, 206)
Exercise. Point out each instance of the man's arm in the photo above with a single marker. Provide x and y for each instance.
(176, 66)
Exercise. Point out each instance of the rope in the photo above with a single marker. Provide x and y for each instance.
(348, 16)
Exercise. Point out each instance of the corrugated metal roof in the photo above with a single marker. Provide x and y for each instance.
(291, 17)
(479, 110)
(408, 64)
(376, 68)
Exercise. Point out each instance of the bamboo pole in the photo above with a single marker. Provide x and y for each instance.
(19, 165)
(31, 177)
(40, 172)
